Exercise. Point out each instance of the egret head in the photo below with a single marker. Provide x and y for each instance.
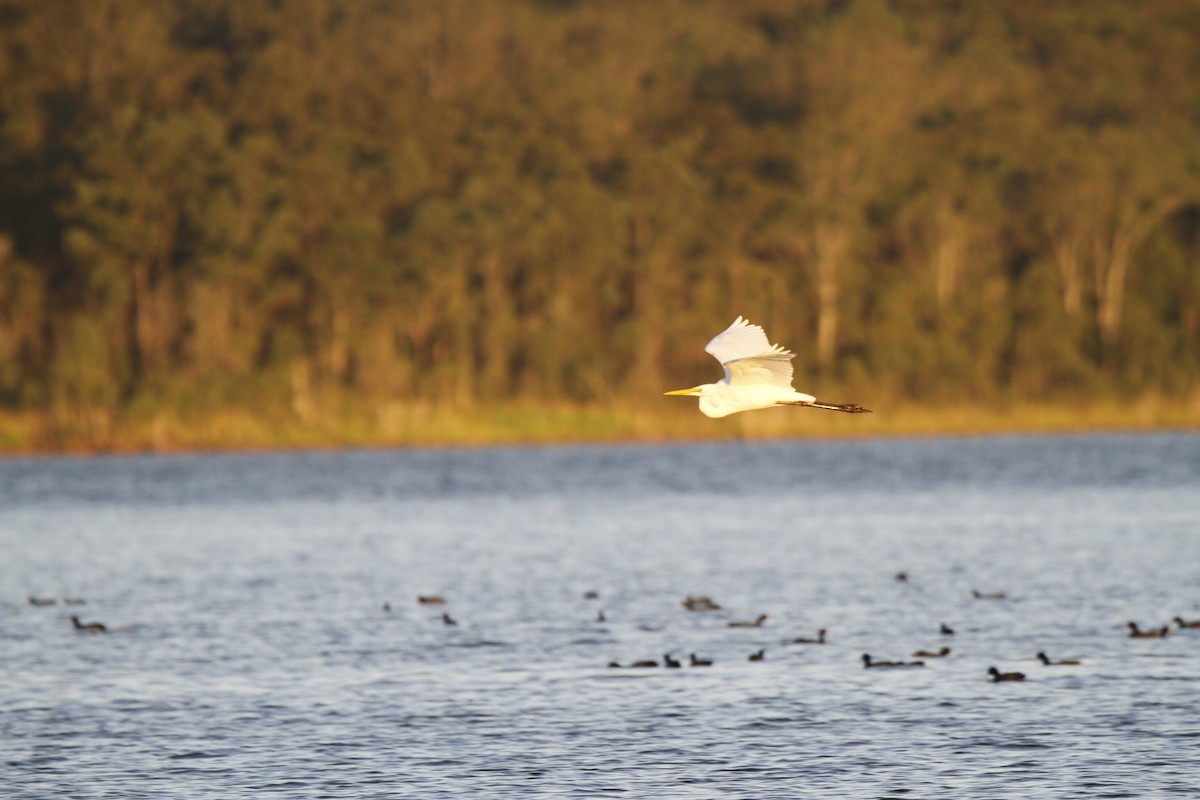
(712, 402)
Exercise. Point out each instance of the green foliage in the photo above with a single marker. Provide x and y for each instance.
(327, 208)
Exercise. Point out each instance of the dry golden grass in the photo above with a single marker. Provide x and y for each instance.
(398, 424)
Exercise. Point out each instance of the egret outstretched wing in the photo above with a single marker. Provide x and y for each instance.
(740, 340)
(749, 357)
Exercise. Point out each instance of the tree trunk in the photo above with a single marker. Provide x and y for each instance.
(647, 307)
(339, 337)
(830, 241)
(1114, 250)
(498, 314)
(1111, 268)
(948, 257)
(1070, 271)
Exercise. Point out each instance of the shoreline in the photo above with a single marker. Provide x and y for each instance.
(398, 426)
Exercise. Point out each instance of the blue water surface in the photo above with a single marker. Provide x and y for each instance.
(252, 655)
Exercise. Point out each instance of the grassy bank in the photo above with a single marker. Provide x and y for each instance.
(666, 419)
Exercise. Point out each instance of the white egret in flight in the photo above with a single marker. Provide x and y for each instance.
(758, 374)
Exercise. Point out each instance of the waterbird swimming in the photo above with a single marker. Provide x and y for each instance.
(757, 655)
(701, 603)
(699, 662)
(757, 623)
(1066, 662)
(41, 601)
(1137, 633)
(431, 600)
(868, 662)
(1000, 677)
(758, 375)
(669, 662)
(1181, 622)
(448, 620)
(940, 653)
(946, 630)
(803, 640)
(90, 627)
(978, 595)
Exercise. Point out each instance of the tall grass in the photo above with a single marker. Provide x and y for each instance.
(658, 419)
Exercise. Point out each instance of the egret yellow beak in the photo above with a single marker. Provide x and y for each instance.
(683, 392)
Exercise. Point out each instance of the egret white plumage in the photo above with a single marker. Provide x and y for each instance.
(758, 374)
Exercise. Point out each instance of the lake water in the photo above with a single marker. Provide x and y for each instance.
(257, 660)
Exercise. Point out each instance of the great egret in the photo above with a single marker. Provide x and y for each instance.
(758, 374)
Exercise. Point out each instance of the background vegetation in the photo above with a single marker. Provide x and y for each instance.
(239, 221)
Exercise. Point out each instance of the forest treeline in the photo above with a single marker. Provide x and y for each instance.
(316, 207)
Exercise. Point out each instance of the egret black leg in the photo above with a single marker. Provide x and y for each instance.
(849, 408)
